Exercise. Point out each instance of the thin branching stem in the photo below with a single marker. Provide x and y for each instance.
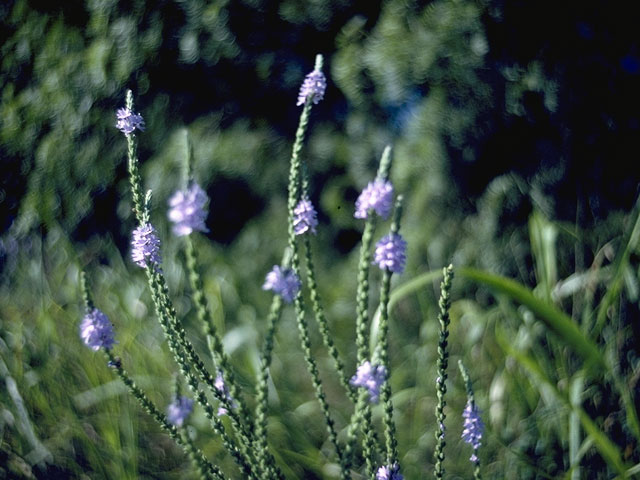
(205, 468)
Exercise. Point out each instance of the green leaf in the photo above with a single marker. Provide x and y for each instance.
(553, 318)
(609, 450)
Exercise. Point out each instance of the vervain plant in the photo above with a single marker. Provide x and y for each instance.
(362, 449)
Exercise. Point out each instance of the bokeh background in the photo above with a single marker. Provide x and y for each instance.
(514, 128)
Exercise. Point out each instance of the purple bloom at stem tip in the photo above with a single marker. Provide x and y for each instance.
(97, 331)
(146, 246)
(472, 427)
(129, 121)
(304, 217)
(282, 281)
(224, 390)
(377, 195)
(389, 473)
(390, 253)
(179, 410)
(188, 210)
(313, 87)
(370, 377)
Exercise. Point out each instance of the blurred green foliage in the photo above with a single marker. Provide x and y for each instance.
(511, 124)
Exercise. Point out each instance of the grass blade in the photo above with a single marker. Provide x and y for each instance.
(556, 320)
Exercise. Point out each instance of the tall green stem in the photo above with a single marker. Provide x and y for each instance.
(443, 362)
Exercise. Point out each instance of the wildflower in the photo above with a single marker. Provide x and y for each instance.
(179, 410)
(389, 473)
(224, 390)
(188, 210)
(304, 217)
(97, 331)
(378, 195)
(370, 377)
(390, 253)
(313, 87)
(472, 427)
(282, 281)
(146, 246)
(129, 121)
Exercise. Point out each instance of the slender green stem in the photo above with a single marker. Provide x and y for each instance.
(86, 293)
(383, 350)
(362, 324)
(134, 172)
(443, 362)
(317, 383)
(295, 187)
(362, 293)
(369, 443)
(214, 342)
(266, 463)
(323, 325)
(316, 303)
(187, 359)
(206, 469)
(362, 343)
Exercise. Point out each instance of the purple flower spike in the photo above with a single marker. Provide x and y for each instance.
(97, 331)
(146, 246)
(304, 217)
(389, 473)
(188, 210)
(370, 377)
(313, 87)
(472, 428)
(390, 253)
(179, 410)
(129, 121)
(283, 282)
(224, 390)
(378, 195)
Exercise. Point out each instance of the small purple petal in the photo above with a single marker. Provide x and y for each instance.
(389, 473)
(283, 282)
(313, 87)
(390, 253)
(473, 427)
(224, 390)
(188, 210)
(146, 246)
(370, 377)
(304, 217)
(97, 331)
(179, 410)
(377, 195)
(127, 121)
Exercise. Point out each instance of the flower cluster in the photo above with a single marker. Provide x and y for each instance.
(97, 331)
(389, 473)
(370, 377)
(378, 195)
(224, 390)
(282, 281)
(472, 427)
(304, 217)
(390, 253)
(313, 87)
(179, 410)
(187, 210)
(146, 246)
(127, 121)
